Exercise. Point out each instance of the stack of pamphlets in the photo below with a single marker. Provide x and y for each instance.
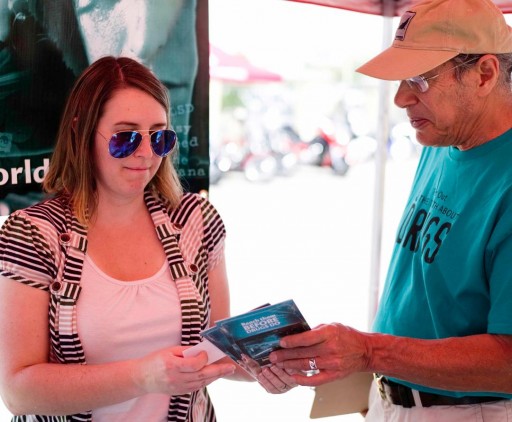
(249, 338)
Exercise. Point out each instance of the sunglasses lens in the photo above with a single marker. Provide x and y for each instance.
(163, 141)
(123, 144)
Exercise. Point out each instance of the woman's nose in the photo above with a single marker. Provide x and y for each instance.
(145, 148)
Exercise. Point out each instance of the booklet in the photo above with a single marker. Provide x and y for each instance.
(249, 338)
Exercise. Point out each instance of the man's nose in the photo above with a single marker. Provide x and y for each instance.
(405, 95)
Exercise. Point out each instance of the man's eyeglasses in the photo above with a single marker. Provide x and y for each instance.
(125, 143)
(420, 83)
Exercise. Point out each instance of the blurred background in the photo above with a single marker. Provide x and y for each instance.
(284, 92)
(293, 141)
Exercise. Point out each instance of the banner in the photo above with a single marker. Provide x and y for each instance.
(45, 45)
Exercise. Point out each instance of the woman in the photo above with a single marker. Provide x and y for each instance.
(103, 286)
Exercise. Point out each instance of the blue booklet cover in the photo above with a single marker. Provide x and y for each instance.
(249, 338)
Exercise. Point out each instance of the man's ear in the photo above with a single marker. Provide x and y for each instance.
(488, 68)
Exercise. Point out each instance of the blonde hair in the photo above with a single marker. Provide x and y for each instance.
(71, 167)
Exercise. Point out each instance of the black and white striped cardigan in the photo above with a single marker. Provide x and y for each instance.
(44, 246)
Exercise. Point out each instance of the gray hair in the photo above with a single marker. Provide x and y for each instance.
(505, 60)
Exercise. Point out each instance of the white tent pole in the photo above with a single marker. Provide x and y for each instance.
(380, 172)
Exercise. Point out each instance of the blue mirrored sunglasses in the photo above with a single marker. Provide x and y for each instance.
(124, 143)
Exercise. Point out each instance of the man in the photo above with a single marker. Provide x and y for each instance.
(442, 341)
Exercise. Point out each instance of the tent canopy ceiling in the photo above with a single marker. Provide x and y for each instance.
(376, 7)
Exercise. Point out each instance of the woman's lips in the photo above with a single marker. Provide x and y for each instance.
(137, 168)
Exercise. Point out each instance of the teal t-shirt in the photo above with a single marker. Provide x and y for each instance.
(450, 274)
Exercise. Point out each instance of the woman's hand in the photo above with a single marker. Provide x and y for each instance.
(276, 380)
(273, 379)
(167, 371)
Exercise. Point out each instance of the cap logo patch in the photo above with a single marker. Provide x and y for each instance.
(404, 24)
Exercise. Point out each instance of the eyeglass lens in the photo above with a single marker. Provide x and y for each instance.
(418, 83)
(124, 144)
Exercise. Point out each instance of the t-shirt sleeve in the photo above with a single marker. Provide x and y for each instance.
(27, 254)
(497, 263)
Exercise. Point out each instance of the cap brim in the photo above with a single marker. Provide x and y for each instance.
(396, 64)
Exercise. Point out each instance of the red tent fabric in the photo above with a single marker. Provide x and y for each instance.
(236, 68)
(375, 7)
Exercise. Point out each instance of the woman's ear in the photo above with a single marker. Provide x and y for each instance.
(74, 123)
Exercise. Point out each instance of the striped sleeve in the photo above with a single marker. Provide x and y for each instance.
(214, 232)
(26, 254)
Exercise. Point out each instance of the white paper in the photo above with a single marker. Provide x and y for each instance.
(214, 353)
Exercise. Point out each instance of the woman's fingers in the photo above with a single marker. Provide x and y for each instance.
(276, 380)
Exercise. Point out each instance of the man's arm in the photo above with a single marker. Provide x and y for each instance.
(474, 363)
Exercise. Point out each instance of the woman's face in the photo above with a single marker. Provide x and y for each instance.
(128, 109)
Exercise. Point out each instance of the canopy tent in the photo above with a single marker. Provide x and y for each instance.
(376, 7)
(388, 9)
(237, 69)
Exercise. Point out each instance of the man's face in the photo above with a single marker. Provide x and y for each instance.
(441, 116)
(133, 28)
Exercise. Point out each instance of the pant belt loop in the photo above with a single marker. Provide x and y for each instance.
(378, 381)
(417, 398)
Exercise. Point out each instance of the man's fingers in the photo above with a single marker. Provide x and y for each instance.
(302, 353)
(315, 380)
(305, 339)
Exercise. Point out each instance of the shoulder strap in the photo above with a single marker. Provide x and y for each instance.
(64, 292)
(169, 226)
(65, 289)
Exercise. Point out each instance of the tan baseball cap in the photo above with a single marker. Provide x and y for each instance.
(435, 31)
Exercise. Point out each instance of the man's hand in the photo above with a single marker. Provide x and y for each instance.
(336, 350)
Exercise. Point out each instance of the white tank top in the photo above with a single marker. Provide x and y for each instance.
(119, 320)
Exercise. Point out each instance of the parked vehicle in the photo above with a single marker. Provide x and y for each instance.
(326, 149)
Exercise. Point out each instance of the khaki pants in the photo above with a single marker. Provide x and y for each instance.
(383, 411)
